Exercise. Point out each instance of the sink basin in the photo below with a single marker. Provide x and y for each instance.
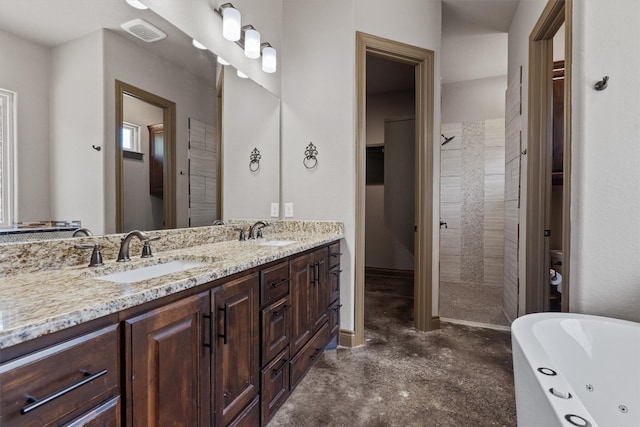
(275, 242)
(145, 273)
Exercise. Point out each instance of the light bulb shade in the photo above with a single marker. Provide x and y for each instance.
(198, 45)
(252, 44)
(222, 61)
(241, 74)
(231, 27)
(137, 4)
(269, 60)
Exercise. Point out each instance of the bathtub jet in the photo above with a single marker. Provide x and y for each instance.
(576, 370)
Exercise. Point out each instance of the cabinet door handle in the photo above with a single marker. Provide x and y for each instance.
(210, 345)
(315, 354)
(280, 282)
(36, 403)
(313, 274)
(336, 272)
(336, 308)
(225, 328)
(317, 273)
(276, 371)
(282, 310)
(336, 254)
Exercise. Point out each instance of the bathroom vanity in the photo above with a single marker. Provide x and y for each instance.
(222, 343)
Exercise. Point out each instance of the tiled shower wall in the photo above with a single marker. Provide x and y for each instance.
(472, 203)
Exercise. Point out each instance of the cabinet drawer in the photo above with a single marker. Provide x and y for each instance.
(249, 417)
(308, 355)
(106, 415)
(274, 283)
(275, 385)
(334, 319)
(334, 254)
(60, 382)
(276, 329)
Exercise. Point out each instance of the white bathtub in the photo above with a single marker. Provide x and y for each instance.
(594, 360)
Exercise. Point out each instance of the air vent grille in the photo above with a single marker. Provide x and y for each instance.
(143, 30)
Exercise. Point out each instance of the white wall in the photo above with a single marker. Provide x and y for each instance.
(605, 192)
(28, 76)
(474, 100)
(251, 119)
(318, 104)
(77, 123)
(194, 98)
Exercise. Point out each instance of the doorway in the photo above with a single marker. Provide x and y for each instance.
(541, 225)
(161, 155)
(423, 62)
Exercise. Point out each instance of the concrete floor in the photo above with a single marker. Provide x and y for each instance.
(456, 376)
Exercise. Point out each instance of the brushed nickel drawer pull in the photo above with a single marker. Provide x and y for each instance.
(36, 403)
(281, 282)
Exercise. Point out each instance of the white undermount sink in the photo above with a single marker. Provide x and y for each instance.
(275, 242)
(145, 273)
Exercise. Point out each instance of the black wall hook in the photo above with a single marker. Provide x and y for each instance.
(602, 84)
(97, 148)
(446, 139)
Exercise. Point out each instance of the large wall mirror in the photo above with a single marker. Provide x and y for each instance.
(70, 161)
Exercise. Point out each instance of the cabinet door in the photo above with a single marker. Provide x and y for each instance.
(236, 355)
(168, 365)
(276, 324)
(320, 291)
(302, 274)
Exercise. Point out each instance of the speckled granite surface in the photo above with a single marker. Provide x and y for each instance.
(43, 291)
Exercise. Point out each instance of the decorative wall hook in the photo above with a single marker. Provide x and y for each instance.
(97, 148)
(446, 140)
(254, 160)
(602, 84)
(310, 160)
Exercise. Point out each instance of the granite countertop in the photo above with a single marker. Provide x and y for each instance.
(37, 303)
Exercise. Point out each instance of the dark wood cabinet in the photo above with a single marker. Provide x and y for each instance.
(168, 373)
(302, 278)
(227, 353)
(236, 363)
(59, 384)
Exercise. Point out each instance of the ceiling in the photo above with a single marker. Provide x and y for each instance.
(54, 22)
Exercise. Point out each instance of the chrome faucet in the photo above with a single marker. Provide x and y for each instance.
(80, 231)
(253, 234)
(123, 254)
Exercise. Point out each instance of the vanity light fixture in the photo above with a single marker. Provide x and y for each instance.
(231, 27)
(137, 4)
(241, 74)
(251, 42)
(222, 61)
(199, 45)
(268, 58)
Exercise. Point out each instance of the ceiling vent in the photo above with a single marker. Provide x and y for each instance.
(143, 30)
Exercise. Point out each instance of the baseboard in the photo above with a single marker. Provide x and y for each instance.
(435, 323)
(375, 271)
(346, 338)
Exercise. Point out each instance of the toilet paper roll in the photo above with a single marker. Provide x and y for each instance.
(556, 279)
